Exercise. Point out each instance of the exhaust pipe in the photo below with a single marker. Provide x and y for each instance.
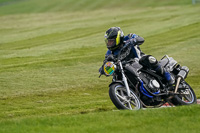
(183, 72)
(181, 75)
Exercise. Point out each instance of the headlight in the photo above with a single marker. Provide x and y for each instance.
(109, 68)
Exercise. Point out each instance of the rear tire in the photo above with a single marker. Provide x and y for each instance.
(188, 98)
(120, 99)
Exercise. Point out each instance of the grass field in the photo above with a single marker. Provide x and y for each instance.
(50, 52)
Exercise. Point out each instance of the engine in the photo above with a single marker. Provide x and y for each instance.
(150, 83)
(154, 86)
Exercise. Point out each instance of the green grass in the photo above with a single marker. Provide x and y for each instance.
(35, 6)
(173, 120)
(50, 53)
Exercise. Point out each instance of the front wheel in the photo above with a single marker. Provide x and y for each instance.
(121, 100)
(186, 96)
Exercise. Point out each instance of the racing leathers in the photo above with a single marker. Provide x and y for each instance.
(135, 52)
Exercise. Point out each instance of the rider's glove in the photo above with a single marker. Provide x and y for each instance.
(101, 70)
(110, 58)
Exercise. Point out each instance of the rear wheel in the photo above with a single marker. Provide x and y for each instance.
(120, 99)
(186, 96)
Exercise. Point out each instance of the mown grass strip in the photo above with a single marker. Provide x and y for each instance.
(179, 119)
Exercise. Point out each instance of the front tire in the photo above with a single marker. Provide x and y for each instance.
(120, 99)
(186, 97)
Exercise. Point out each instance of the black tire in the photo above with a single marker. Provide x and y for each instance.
(186, 99)
(118, 95)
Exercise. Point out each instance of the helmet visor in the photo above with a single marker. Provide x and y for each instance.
(110, 42)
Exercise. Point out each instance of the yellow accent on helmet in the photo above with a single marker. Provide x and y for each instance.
(118, 37)
(105, 37)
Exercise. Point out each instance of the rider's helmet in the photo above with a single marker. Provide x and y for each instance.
(114, 38)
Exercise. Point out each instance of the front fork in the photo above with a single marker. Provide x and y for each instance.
(124, 79)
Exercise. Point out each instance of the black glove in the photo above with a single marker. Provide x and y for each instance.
(110, 58)
(101, 71)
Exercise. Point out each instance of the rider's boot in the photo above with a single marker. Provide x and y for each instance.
(169, 78)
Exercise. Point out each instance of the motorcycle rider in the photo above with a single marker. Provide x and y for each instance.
(115, 40)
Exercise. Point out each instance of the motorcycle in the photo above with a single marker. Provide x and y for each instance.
(135, 86)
